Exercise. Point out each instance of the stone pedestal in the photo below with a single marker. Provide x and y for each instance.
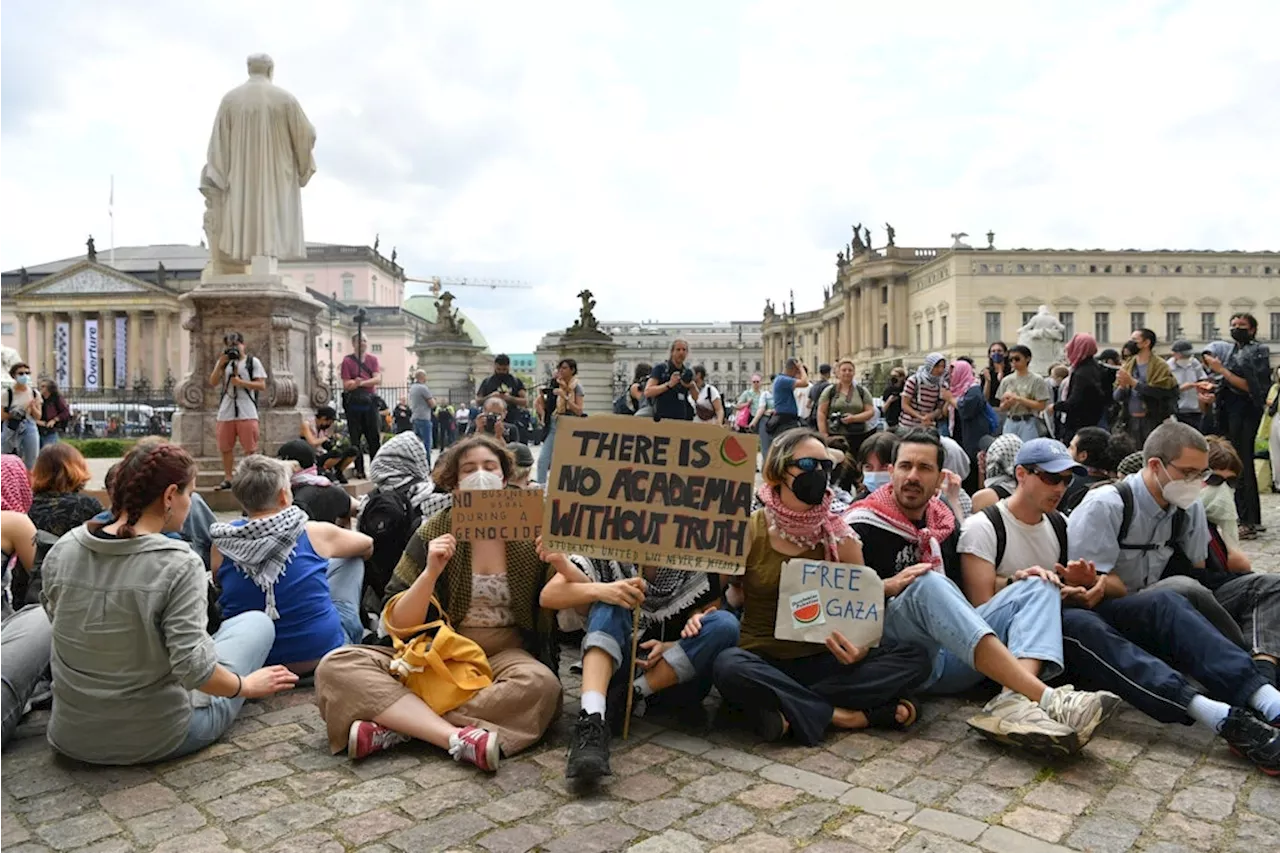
(594, 354)
(280, 328)
(448, 362)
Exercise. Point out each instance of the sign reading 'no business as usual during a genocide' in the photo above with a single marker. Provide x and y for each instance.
(661, 493)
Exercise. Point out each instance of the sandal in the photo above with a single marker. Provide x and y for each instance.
(886, 716)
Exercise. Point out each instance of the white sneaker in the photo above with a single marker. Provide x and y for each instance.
(1082, 710)
(1013, 719)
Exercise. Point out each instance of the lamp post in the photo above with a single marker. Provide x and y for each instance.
(333, 315)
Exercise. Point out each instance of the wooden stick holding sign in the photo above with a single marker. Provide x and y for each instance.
(631, 694)
(497, 515)
(816, 597)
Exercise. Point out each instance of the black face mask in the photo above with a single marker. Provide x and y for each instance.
(810, 486)
(1241, 336)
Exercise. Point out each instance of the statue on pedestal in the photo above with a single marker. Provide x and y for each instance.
(1043, 334)
(857, 239)
(586, 324)
(769, 313)
(260, 158)
(888, 229)
(447, 321)
(93, 250)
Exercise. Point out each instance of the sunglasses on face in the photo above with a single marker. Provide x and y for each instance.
(1218, 480)
(809, 463)
(22, 373)
(1051, 479)
(1015, 359)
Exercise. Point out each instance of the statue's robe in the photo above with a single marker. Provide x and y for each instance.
(260, 157)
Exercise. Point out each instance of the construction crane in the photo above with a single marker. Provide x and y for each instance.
(438, 283)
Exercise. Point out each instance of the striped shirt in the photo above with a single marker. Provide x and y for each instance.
(924, 398)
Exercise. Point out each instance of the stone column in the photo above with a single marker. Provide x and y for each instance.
(76, 360)
(133, 355)
(160, 348)
(447, 363)
(24, 343)
(107, 347)
(46, 353)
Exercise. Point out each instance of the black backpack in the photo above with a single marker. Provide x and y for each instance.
(25, 586)
(1057, 519)
(1126, 519)
(390, 520)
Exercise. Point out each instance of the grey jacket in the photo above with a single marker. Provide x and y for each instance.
(129, 643)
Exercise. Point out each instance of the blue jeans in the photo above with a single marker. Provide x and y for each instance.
(48, 438)
(27, 641)
(544, 454)
(422, 429)
(932, 612)
(22, 441)
(346, 582)
(242, 643)
(609, 628)
(1024, 429)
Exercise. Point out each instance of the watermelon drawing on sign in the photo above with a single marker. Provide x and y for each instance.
(806, 609)
(731, 451)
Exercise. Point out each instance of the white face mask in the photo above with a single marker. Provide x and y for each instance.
(1180, 493)
(874, 479)
(481, 481)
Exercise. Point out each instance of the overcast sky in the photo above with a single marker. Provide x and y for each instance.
(683, 160)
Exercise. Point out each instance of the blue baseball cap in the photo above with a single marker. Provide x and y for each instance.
(1049, 455)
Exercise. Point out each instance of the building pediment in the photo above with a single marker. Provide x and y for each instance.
(1243, 302)
(992, 301)
(88, 278)
(1208, 302)
(1273, 302)
(1066, 302)
(1138, 302)
(1173, 302)
(1030, 301)
(1102, 302)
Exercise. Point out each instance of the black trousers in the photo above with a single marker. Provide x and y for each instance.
(808, 690)
(1114, 648)
(1241, 429)
(364, 423)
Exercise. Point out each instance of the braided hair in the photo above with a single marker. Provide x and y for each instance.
(142, 479)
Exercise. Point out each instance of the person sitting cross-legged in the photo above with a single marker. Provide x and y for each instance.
(682, 632)
(910, 537)
(1109, 641)
(305, 575)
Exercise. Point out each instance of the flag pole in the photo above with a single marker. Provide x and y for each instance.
(111, 214)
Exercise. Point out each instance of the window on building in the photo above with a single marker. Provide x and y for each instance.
(943, 321)
(1068, 321)
(1026, 317)
(12, 328)
(884, 295)
(884, 334)
(715, 365)
(930, 334)
(919, 339)
(1208, 328)
(1102, 326)
(376, 348)
(758, 367)
(1172, 325)
(348, 286)
(1275, 326)
(1137, 320)
(993, 325)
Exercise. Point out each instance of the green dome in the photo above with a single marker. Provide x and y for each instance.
(425, 307)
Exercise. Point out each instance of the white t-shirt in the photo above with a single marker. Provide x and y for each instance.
(802, 402)
(1026, 545)
(237, 403)
(709, 394)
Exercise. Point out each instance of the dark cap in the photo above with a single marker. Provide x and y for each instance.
(522, 454)
(297, 451)
(824, 368)
(1182, 346)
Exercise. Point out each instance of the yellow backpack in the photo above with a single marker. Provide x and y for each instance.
(442, 667)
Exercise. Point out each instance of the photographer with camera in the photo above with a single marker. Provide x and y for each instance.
(671, 385)
(361, 376)
(492, 421)
(328, 438)
(242, 377)
(20, 413)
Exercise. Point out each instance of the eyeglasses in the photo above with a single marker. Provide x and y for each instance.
(1218, 480)
(1013, 359)
(809, 463)
(1190, 473)
(1051, 479)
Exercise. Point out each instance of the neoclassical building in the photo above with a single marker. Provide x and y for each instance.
(893, 305)
(98, 324)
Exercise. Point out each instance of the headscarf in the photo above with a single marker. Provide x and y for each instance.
(925, 372)
(1221, 350)
(880, 509)
(1082, 346)
(954, 457)
(402, 465)
(808, 528)
(962, 379)
(15, 485)
(1000, 462)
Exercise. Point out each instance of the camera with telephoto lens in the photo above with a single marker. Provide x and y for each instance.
(232, 353)
(686, 375)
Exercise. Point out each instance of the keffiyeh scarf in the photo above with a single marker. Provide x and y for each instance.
(402, 465)
(15, 485)
(261, 548)
(880, 509)
(925, 371)
(818, 525)
(1000, 458)
(668, 595)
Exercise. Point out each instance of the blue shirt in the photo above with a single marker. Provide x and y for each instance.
(309, 626)
(784, 395)
(1094, 527)
(673, 403)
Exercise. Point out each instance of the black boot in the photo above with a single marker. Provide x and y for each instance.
(588, 749)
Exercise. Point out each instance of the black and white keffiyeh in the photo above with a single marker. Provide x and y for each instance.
(402, 465)
(261, 548)
(670, 593)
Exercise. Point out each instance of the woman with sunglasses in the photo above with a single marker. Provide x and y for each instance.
(782, 686)
(996, 370)
(1023, 397)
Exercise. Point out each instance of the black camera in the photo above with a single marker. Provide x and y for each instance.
(17, 415)
(686, 375)
(232, 353)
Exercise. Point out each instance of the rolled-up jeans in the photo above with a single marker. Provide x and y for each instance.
(932, 612)
(346, 583)
(609, 628)
(23, 441)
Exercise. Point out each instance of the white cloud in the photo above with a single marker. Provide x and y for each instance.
(681, 160)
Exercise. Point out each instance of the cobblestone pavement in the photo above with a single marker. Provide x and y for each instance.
(271, 785)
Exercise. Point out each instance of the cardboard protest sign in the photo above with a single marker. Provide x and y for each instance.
(497, 515)
(664, 493)
(816, 597)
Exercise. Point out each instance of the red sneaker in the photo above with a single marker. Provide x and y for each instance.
(476, 745)
(366, 738)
